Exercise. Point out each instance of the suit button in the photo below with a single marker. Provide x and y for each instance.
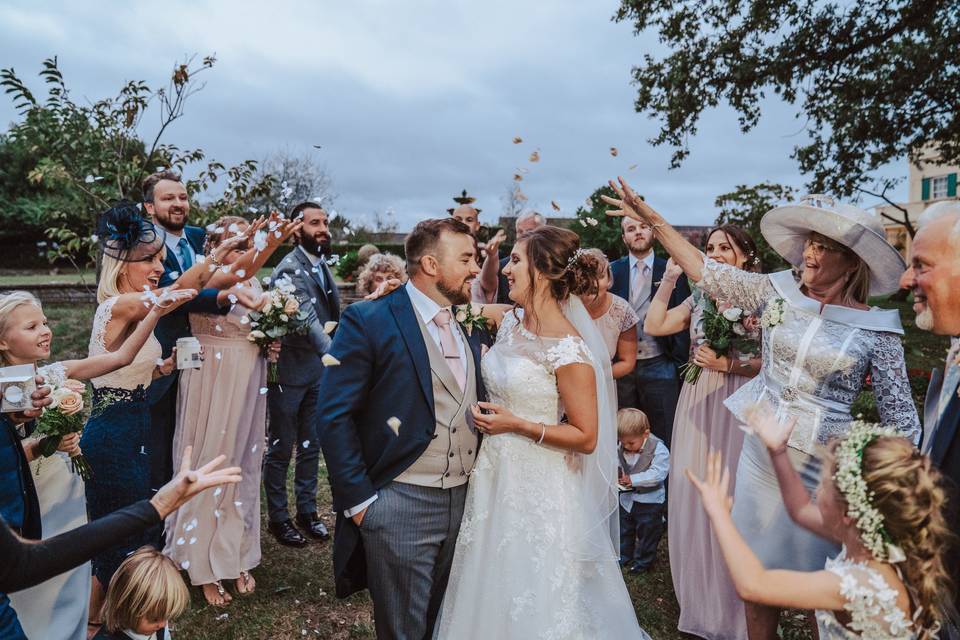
(451, 454)
(470, 452)
(433, 437)
(446, 475)
(462, 473)
(454, 430)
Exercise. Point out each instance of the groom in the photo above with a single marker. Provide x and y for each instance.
(394, 432)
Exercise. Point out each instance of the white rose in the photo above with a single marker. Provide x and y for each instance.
(257, 334)
(739, 330)
(461, 315)
(284, 317)
(733, 314)
(266, 307)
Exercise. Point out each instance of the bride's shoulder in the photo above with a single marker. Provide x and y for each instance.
(570, 349)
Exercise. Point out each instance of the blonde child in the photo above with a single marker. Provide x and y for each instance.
(145, 594)
(883, 501)
(644, 465)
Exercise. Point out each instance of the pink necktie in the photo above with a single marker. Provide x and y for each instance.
(448, 346)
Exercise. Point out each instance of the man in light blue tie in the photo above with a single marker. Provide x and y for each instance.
(934, 277)
(166, 201)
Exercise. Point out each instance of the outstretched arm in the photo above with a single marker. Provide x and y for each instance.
(271, 234)
(754, 583)
(630, 205)
(491, 266)
(94, 366)
(660, 320)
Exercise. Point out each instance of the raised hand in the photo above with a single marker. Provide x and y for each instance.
(673, 271)
(772, 432)
(715, 487)
(189, 482)
(629, 204)
(492, 247)
(170, 298)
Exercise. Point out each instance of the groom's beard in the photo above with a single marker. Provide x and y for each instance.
(310, 245)
(455, 295)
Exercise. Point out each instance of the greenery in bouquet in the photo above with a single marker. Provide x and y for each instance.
(62, 417)
(726, 330)
(279, 316)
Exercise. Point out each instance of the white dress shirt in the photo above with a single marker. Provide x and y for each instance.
(427, 309)
(315, 261)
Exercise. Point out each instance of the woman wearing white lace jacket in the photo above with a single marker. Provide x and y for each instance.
(820, 341)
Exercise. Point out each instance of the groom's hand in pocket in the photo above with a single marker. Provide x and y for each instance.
(358, 517)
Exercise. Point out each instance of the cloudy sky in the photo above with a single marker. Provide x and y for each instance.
(411, 101)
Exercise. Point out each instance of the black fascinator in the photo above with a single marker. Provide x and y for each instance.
(126, 235)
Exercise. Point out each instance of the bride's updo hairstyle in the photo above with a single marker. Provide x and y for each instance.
(555, 254)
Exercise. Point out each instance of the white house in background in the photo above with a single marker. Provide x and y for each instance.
(929, 182)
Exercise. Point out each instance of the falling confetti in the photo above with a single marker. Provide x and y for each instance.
(614, 152)
(233, 300)
(535, 156)
(217, 491)
(517, 140)
(263, 391)
(185, 565)
(181, 541)
(193, 541)
(517, 177)
(631, 167)
(394, 423)
(241, 273)
(222, 617)
(329, 326)
(174, 275)
(556, 207)
(329, 361)
(305, 444)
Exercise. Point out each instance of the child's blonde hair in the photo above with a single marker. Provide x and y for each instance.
(147, 585)
(8, 303)
(908, 492)
(632, 422)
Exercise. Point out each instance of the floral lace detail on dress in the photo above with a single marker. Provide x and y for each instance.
(54, 373)
(891, 387)
(745, 289)
(138, 373)
(871, 603)
(623, 314)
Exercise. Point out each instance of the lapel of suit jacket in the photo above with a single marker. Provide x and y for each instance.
(311, 272)
(196, 237)
(332, 293)
(946, 429)
(476, 346)
(621, 277)
(406, 318)
(931, 403)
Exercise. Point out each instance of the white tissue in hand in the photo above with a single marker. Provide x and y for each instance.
(329, 361)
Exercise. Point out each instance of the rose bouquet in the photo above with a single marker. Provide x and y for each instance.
(725, 328)
(279, 315)
(62, 417)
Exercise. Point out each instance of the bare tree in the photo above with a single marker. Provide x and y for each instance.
(514, 200)
(296, 178)
(880, 191)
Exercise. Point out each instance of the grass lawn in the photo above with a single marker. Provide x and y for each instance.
(294, 596)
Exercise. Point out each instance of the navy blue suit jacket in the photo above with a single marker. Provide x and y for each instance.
(384, 372)
(675, 346)
(503, 287)
(176, 324)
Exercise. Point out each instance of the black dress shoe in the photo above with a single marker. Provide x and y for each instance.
(286, 534)
(313, 525)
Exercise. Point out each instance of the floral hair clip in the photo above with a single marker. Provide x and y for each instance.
(574, 258)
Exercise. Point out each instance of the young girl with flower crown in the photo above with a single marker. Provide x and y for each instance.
(52, 500)
(883, 501)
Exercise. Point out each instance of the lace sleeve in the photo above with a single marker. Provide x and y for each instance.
(54, 373)
(626, 317)
(507, 323)
(891, 387)
(871, 603)
(743, 289)
(569, 350)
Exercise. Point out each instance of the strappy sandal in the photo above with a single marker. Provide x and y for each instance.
(220, 592)
(245, 579)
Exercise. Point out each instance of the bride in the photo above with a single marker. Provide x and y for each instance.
(536, 555)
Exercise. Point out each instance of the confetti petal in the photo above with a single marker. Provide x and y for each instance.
(535, 156)
(217, 491)
(517, 140)
(329, 326)
(185, 565)
(263, 391)
(329, 361)
(305, 444)
(556, 207)
(614, 152)
(394, 423)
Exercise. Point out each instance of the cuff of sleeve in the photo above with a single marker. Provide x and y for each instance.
(360, 507)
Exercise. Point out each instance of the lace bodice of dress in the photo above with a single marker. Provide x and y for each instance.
(520, 370)
(871, 605)
(231, 325)
(618, 318)
(137, 373)
(815, 362)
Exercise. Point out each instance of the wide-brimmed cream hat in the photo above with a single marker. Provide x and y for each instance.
(787, 228)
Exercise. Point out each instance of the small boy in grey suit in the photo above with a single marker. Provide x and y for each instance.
(644, 465)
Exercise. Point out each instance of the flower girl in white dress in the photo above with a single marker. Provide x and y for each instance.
(883, 501)
(536, 554)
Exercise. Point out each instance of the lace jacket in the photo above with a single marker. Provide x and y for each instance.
(815, 362)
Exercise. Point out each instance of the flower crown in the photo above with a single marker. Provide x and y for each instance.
(851, 483)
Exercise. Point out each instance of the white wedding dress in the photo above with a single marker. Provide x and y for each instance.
(521, 568)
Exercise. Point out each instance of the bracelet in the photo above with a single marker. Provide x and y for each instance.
(543, 432)
(657, 225)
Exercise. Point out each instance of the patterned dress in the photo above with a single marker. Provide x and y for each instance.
(115, 440)
(815, 363)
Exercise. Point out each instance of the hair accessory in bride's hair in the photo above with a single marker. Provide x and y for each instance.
(852, 485)
(126, 235)
(574, 258)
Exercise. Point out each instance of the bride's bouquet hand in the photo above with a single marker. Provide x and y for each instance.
(715, 487)
(496, 420)
(772, 432)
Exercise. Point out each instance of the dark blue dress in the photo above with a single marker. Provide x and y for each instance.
(18, 506)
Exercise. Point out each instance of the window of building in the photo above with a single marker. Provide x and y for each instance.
(938, 187)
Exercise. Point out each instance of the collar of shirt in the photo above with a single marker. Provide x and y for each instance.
(425, 306)
(314, 260)
(138, 636)
(647, 261)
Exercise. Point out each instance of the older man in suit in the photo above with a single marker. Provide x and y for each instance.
(654, 385)
(934, 277)
(293, 398)
(166, 201)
